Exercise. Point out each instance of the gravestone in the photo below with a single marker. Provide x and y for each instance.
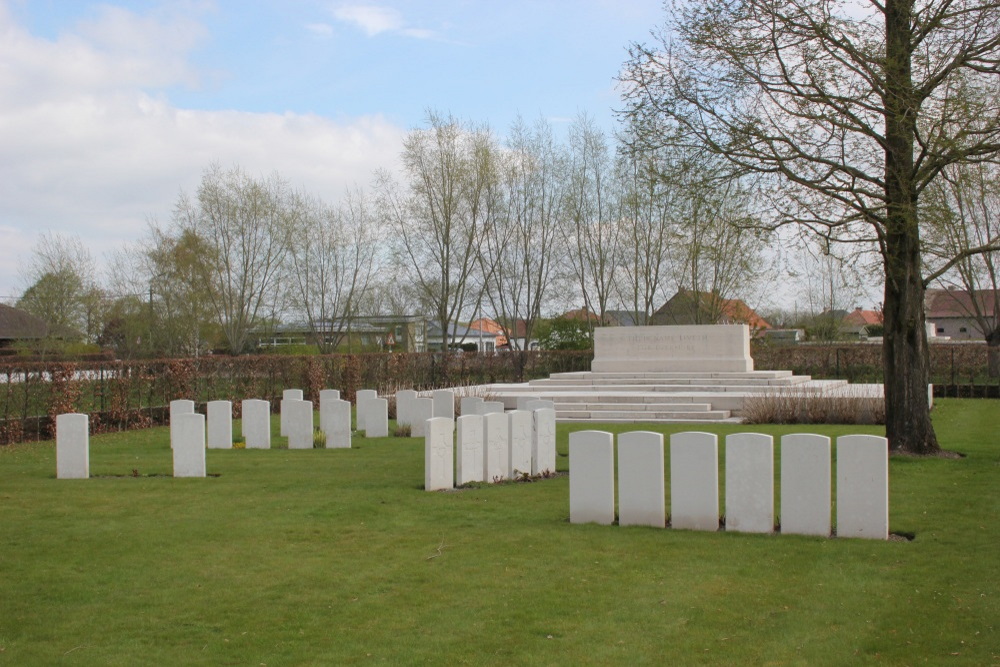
(404, 407)
(591, 477)
(540, 404)
(188, 433)
(361, 396)
(421, 409)
(469, 405)
(326, 397)
(640, 480)
(543, 441)
(177, 408)
(376, 418)
(444, 403)
(72, 446)
(488, 407)
(520, 428)
(495, 446)
(439, 470)
(256, 423)
(684, 348)
(300, 424)
(220, 424)
(522, 402)
(863, 487)
(805, 484)
(338, 433)
(749, 483)
(287, 395)
(469, 449)
(694, 481)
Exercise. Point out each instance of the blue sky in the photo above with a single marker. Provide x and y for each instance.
(109, 110)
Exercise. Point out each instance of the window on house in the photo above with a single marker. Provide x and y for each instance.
(963, 330)
(940, 329)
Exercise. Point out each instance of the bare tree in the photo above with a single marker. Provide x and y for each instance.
(332, 262)
(519, 249)
(591, 228)
(247, 223)
(437, 219)
(967, 199)
(847, 112)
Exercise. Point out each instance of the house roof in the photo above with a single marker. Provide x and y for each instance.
(942, 303)
(580, 314)
(624, 318)
(862, 318)
(681, 307)
(17, 324)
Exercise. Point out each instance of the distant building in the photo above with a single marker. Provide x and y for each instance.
(953, 312)
(397, 333)
(624, 318)
(691, 307)
(855, 324)
(18, 325)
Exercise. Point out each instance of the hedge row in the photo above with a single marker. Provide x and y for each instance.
(120, 395)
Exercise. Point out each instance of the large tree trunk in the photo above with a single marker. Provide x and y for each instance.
(906, 361)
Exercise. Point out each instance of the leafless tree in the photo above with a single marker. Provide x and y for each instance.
(332, 260)
(247, 223)
(437, 218)
(847, 112)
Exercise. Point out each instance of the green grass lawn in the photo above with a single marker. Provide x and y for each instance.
(330, 557)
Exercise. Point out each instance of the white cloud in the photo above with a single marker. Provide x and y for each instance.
(88, 145)
(374, 20)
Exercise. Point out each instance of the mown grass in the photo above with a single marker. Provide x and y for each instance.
(339, 557)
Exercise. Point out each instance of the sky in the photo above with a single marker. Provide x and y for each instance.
(110, 110)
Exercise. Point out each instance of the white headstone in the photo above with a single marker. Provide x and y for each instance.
(641, 492)
(487, 407)
(863, 487)
(520, 428)
(404, 406)
(326, 397)
(287, 395)
(72, 446)
(805, 484)
(256, 423)
(421, 409)
(543, 444)
(522, 402)
(300, 424)
(444, 403)
(749, 483)
(540, 404)
(495, 447)
(377, 418)
(220, 424)
(177, 408)
(439, 471)
(469, 405)
(469, 449)
(694, 481)
(360, 397)
(338, 433)
(189, 445)
(591, 477)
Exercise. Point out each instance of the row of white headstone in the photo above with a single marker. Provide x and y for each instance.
(489, 447)
(862, 506)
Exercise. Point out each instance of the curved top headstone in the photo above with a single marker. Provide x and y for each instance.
(669, 348)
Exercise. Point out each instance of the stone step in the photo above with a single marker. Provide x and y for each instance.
(642, 416)
(581, 406)
(666, 375)
(673, 382)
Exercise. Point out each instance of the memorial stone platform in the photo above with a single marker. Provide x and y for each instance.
(665, 373)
